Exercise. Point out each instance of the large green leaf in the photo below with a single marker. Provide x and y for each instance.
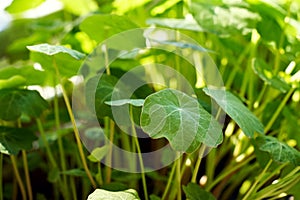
(121, 102)
(67, 60)
(278, 151)
(236, 110)
(100, 27)
(195, 192)
(263, 70)
(15, 102)
(22, 5)
(179, 118)
(12, 140)
(100, 194)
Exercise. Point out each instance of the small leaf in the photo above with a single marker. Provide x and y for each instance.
(75, 172)
(180, 119)
(12, 140)
(100, 194)
(279, 151)
(15, 102)
(265, 73)
(13, 82)
(53, 175)
(236, 110)
(51, 50)
(195, 192)
(134, 102)
(98, 154)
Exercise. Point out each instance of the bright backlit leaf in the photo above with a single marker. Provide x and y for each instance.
(18, 6)
(179, 118)
(265, 73)
(80, 7)
(13, 82)
(279, 151)
(15, 102)
(100, 27)
(247, 121)
(100, 194)
(185, 24)
(12, 140)
(194, 192)
(98, 153)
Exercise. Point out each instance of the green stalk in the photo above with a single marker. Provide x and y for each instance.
(27, 176)
(73, 188)
(76, 131)
(26, 171)
(48, 150)
(257, 180)
(18, 177)
(278, 110)
(169, 181)
(60, 145)
(109, 123)
(1, 176)
(139, 154)
(178, 176)
(228, 171)
(198, 162)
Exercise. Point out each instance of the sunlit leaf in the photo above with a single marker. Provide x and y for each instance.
(53, 50)
(18, 6)
(236, 110)
(66, 60)
(121, 102)
(80, 7)
(13, 82)
(15, 102)
(185, 24)
(12, 140)
(279, 151)
(265, 73)
(100, 194)
(180, 119)
(194, 192)
(98, 153)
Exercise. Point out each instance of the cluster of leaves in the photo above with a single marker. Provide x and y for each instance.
(255, 45)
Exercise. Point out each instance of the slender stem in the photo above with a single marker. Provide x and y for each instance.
(76, 131)
(169, 182)
(26, 171)
(228, 171)
(257, 180)
(139, 154)
(18, 177)
(178, 176)
(1, 176)
(48, 150)
(27, 176)
(59, 141)
(278, 110)
(109, 123)
(198, 162)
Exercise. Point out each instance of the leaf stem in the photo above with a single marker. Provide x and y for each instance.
(278, 110)
(198, 162)
(27, 176)
(109, 123)
(169, 181)
(18, 177)
(76, 131)
(139, 154)
(257, 180)
(178, 176)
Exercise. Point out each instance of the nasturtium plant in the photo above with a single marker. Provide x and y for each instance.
(195, 192)
(181, 119)
(101, 194)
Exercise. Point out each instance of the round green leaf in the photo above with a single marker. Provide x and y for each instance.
(12, 140)
(18, 6)
(194, 192)
(180, 119)
(247, 121)
(15, 102)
